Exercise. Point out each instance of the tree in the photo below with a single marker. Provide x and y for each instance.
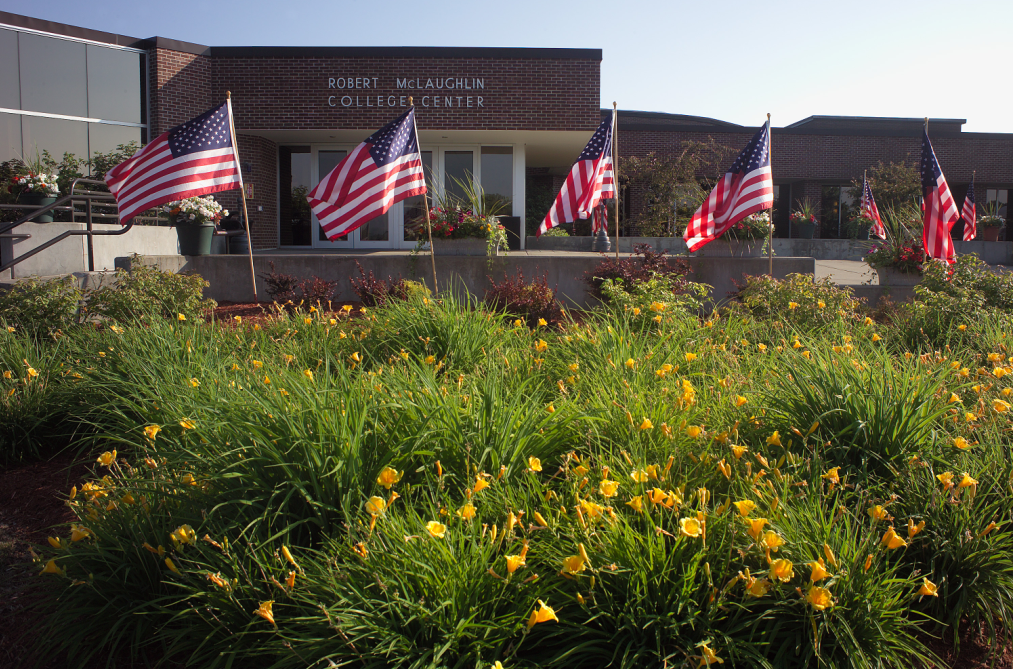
(668, 189)
(893, 184)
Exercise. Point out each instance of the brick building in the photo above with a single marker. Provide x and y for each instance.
(515, 119)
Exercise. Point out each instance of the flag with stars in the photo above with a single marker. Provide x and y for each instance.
(590, 180)
(968, 214)
(939, 208)
(746, 188)
(384, 169)
(192, 159)
(871, 211)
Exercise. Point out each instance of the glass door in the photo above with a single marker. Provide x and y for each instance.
(372, 234)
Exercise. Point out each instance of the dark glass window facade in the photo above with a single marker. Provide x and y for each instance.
(46, 79)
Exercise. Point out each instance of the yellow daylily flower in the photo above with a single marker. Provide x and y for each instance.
(707, 656)
(690, 527)
(375, 506)
(608, 488)
(51, 568)
(892, 540)
(388, 477)
(636, 503)
(756, 526)
(534, 464)
(436, 530)
(745, 507)
(646, 424)
(819, 598)
(541, 614)
(819, 571)
(151, 431)
(774, 439)
(107, 458)
(782, 570)
(514, 562)
(740, 400)
(265, 611)
(913, 529)
(928, 589)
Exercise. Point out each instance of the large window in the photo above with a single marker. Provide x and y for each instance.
(498, 176)
(838, 203)
(63, 95)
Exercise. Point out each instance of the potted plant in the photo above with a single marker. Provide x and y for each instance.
(194, 219)
(858, 227)
(803, 219)
(465, 224)
(991, 224)
(898, 263)
(36, 188)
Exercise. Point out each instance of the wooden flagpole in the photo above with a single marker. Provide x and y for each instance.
(242, 197)
(770, 227)
(425, 201)
(615, 167)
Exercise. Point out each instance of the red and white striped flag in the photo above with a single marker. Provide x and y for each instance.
(871, 211)
(192, 159)
(590, 180)
(746, 188)
(938, 206)
(384, 169)
(969, 215)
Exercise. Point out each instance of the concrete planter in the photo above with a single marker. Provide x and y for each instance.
(888, 276)
(472, 246)
(732, 248)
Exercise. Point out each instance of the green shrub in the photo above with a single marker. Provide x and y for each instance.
(39, 306)
(798, 299)
(969, 293)
(145, 292)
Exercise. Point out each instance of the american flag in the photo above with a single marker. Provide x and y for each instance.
(600, 221)
(871, 211)
(968, 214)
(192, 159)
(384, 169)
(938, 206)
(590, 179)
(744, 189)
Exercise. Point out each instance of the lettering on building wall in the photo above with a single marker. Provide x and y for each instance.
(439, 92)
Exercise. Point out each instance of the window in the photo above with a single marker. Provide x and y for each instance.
(114, 84)
(294, 183)
(54, 76)
(782, 209)
(10, 137)
(10, 81)
(54, 135)
(997, 197)
(838, 203)
(498, 176)
(104, 138)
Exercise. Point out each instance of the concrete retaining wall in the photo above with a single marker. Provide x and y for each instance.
(994, 253)
(71, 254)
(229, 276)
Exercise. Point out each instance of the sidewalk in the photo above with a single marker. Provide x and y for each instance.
(846, 272)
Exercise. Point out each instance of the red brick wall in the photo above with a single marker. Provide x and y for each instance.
(518, 94)
(180, 88)
(262, 154)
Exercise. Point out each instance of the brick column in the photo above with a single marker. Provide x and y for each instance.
(261, 155)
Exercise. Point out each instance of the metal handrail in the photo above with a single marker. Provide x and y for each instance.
(88, 199)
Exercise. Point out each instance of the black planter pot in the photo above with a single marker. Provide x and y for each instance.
(38, 200)
(195, 240)
(806, 230)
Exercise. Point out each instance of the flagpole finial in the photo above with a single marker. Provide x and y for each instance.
(768, 117)
(410, 100)
(614, 105)
(228, 95)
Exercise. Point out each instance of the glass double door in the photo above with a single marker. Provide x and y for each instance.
(399, 227)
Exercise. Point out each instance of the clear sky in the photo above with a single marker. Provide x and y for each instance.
(734, 61)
